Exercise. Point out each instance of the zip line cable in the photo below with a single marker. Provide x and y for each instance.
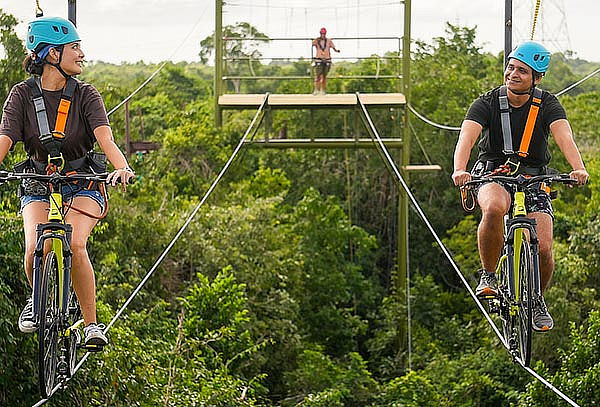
(451, 128)
(392, 166)
(167, 249)
(568, 88)
(84, 358)
(431, 123)
(128, 98)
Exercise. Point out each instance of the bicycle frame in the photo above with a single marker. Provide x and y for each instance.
(515, 227)
(59, 233)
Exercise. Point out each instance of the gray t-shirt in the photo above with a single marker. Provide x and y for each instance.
(87, 112)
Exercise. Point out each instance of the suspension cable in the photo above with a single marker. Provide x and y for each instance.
(568, 88)
(535, 16)
(162, 65)
(219, 177)
(392, 166)
(444, 127)
(168, 248)
(431, 123)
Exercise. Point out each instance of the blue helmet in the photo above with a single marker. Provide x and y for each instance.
(51, 31)
(534, 54)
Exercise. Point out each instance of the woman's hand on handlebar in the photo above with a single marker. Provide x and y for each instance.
(460, 177)
(121, 176)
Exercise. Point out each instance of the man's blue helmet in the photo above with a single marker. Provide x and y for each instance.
(52, 31)
(533, 54)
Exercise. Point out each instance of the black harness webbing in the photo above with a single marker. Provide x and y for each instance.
(52, 140)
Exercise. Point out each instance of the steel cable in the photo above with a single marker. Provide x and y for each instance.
(392, 166)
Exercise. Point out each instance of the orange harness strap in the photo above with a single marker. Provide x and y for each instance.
(536, 102)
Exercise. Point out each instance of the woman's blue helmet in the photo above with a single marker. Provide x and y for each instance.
(51, 31)
(533, 54)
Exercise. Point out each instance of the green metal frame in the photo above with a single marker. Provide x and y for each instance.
(400, 279)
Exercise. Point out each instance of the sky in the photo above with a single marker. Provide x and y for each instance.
(155, 30)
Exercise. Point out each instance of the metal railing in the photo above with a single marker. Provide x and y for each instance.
(249, 60)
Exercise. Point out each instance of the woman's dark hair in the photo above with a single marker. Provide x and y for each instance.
(32, 67)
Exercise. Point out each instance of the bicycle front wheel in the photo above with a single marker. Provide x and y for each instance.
(525, 292)
(48, 326)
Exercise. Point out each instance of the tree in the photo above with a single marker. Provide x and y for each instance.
(11, 71)
(240, 48)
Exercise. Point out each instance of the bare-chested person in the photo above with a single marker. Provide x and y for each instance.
(322, 61)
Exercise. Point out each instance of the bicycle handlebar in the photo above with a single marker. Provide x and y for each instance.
(55, 178)
(523, 181)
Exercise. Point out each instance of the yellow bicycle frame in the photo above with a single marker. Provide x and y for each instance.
(518, 210)
(55, 215)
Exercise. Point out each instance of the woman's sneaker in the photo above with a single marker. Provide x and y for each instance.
(26, 319)
(94, 337)
(542, 320)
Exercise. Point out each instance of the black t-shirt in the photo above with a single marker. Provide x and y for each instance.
(486, 111)
(87, 112)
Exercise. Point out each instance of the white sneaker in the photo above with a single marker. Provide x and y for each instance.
(94, 336)
(26, 320)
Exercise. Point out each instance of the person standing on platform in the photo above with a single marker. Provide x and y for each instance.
(322, 61)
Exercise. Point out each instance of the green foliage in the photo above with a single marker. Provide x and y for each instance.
(14, 53)
(322, 380)
(281, 292)
(411, 390)
(579, 372)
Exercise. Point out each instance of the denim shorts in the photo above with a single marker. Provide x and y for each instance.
(69, 192)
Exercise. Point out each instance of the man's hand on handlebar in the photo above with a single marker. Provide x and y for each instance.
(461, 177)
(581, 175)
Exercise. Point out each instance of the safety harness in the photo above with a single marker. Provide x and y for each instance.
(53, 140)
(511, 167)
(513, 163)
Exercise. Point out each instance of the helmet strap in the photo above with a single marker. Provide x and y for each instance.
(57, 65)
(527, 92)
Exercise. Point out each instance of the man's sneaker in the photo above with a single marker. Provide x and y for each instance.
(542, 320)
(488, 285)
(26, 320)
(94, 337)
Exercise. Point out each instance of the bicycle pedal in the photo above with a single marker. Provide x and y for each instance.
(93, 348)
(488, 297)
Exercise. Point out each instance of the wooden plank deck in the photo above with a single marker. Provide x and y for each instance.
(309, 101)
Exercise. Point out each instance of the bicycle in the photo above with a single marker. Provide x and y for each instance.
(55, 306)
(518, 273)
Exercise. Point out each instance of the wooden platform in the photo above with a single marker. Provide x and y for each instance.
(309, 101)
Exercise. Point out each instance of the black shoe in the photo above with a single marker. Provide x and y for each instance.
(542, 320)
(488, 285)
(26, 320)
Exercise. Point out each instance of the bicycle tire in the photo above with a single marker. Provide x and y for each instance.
(48, 326)
(525, 287)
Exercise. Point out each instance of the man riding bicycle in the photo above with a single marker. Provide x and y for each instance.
(515, 121)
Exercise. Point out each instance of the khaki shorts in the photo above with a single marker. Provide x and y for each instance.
(322, 67)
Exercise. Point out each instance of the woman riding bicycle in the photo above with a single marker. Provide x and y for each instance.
(56, 57)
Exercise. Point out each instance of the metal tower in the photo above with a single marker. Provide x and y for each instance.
(551, 28)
